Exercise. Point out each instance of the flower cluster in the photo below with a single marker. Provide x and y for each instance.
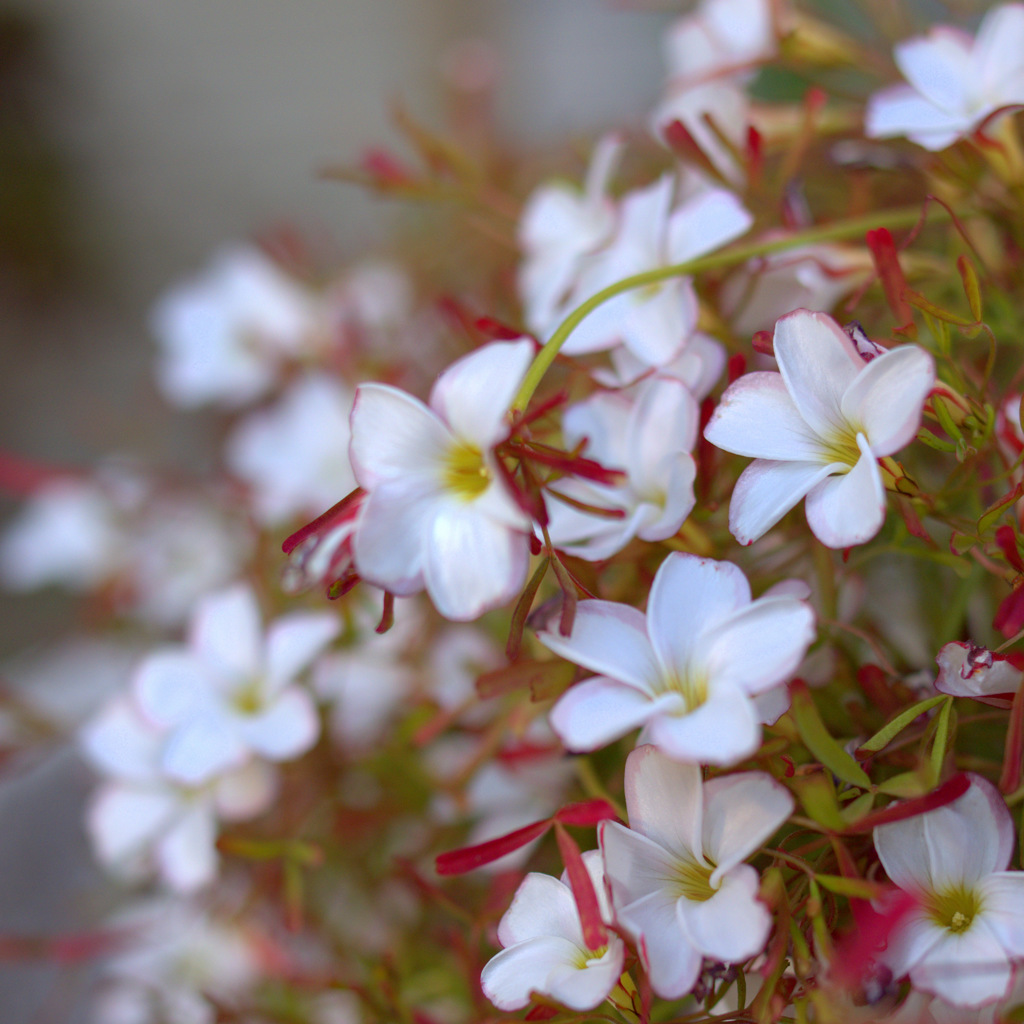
(509, 580)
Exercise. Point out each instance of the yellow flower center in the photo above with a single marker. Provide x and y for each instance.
(954, 909)
(841, 446)
(692, 881)
(588, 957)
(465, 473)
(692, 687)
(249, 698)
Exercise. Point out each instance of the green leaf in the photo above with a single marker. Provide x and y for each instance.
(858, 888)
(856, 809)
(906, 784)
(822, 745)
(942, 731)
(818, 797)
(972, 290)
(885, 735)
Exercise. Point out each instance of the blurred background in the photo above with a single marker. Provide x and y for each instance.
(136, 138)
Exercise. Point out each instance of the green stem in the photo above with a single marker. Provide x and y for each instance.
(904, 217)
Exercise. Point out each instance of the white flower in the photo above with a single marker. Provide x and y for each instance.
(688, 670)
(818, 428)
(294, 456)
(967, 925)
(230, 694)
(698, 366)
(955, 82)
(967, 670)
(437, 513)
(647, 435)
(225, 335)
(544, 948)
(559, 226)
(140, 822)
(677, 880)
(653, 322)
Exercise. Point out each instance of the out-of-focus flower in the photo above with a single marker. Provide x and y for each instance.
(649, 436)
(653, 231)
(294, 456)
(438, 514)
(559, 227)
(818, 428)
(967, 670)
(141, 822)
(688, 670)
(815, 277)
(177, 955)
(698, 366)
(231, 695)
(955, 82)
(225, 335)
(374, 296)
(677, 880)
(966, 928)
(544, 947)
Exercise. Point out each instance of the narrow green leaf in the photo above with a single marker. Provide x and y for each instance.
(856, 809)
(942, 731)
(818, 797)
(928, 438)
(906, 784)
(972, 290)
(858, 888)
(822, 745)
(885, 735)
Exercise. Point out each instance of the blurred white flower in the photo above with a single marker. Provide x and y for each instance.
(294, 455)
(225, 335)
(699, 366)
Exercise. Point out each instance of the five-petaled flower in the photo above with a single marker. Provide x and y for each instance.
(967, 924)
(687, 672)
(438, 514)
(818, 428)
(678, 883)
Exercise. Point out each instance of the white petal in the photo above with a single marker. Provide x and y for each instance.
(663, 422)
(722, 731)
(473, 563)
(1002, 895)
(285, 729)
(635, 866)
(757, 417)
(938, 67)
(742, 811)
(610, 639)
(118, 742)
(591, 714)
(585, 988)
(900, 110)
(123, 820)
(708, 221)
(508, 978)
(244, 793)
(689, 596)
(227, 633)
(391, 535)
(818, 362)
(187, 856)
(172, 685)
(672, 963)
(849, 509)
(658, 322)
(665, 800)
(660, 523)
(202, 748)
(395, 437)
(733, 925)
(293, 641)
(758, 646)
(767, 490)
(966, 969)
(910, 942)
(885, 400)
(998, 50)
(903, 851)
(474, 393)
(541, 906)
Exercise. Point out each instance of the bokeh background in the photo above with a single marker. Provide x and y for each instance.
(136, 137)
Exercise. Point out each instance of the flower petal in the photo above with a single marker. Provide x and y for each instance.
(901, 110)
(474, 393)
(1002, 895)
(293, 641)
(734, 924)
(390, 537)
(741, 812)
(760, 645)
(285, 729)
(172, 685)
(187, 855)
(767, 490)
(472, 563)
(508, 978)
(597, 711)
(938, 66)
(122, 820)
(203, 748)
(689, 596)
(849, 509)
(886, 399)
(966, 969)
(757, 417)
(583, 988)
(227, 633)
(665, 801)
(712, 218)
(818, 362)
(672, 963)
(541, 906)
(395, 437)
(610, 639)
